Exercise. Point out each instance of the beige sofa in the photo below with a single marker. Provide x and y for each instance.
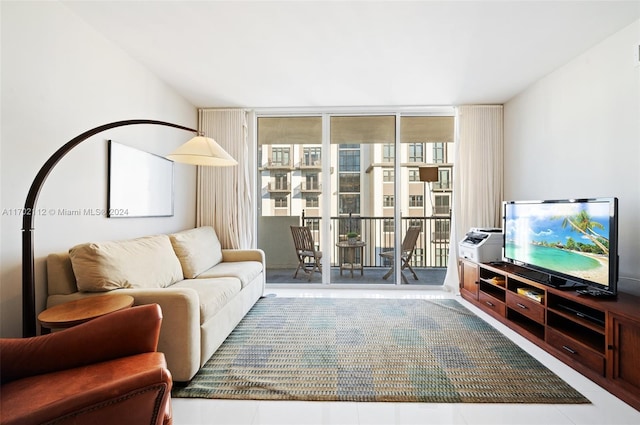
(204, 291)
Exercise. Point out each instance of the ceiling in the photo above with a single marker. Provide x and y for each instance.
(353, 53)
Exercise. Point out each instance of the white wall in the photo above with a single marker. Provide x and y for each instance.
(59, 79)
(576, 133)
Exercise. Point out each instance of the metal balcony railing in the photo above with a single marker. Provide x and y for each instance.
(442, 186)
(432, 247)
(279, 186)
(310, 163)
(439, 210)
(310, 187)
(278, 164)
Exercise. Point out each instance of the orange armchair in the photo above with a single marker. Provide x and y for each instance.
(105, 371)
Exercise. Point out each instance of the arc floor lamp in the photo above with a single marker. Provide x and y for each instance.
(199, 150)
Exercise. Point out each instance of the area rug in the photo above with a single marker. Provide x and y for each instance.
(372, 350)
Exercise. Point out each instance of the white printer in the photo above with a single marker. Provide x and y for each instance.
(482, 245)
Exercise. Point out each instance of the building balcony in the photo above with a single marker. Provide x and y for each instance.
(310, 187)
(309, 164)
(445, 186)
(440, 210)
(427, 276)
(430, 257)
(279, 187)
(277, 165)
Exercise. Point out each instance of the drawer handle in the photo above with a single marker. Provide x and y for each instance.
(572, 351)
(522, 306)
(490, 304)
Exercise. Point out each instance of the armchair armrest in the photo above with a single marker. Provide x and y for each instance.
(180, 331)
(105, 338)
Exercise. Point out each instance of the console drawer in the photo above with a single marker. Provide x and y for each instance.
(490, 303)
(580, 353)
(530, 308)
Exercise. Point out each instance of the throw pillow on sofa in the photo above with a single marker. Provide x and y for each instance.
(197, 249)
(147, 262)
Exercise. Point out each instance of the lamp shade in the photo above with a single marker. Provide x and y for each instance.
(428, 174)
(202, 151)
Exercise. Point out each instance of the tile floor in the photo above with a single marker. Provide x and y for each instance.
(604, 410)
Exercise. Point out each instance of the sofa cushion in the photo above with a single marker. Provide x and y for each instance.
(147, 262)
(213, 294)
(197, 249)
(246, 271)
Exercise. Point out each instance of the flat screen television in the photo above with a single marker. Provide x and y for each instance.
(568, 243)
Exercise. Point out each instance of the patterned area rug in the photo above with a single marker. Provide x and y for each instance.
(373, 350)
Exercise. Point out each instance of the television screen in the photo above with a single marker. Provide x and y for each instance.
(574, 240)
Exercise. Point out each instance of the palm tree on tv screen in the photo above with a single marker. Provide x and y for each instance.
(583, 223)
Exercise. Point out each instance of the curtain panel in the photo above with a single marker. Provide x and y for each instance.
(478, 183)
(223, 198)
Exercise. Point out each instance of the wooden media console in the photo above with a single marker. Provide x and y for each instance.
(598, 337)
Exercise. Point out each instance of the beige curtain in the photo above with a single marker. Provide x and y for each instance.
(478, 177)
(223, 198)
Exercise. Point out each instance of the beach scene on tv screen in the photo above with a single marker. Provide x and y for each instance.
(571, 238)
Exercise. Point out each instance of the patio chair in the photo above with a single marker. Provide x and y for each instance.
(308, 257)
(408, 246)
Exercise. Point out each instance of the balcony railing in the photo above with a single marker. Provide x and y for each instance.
(310, 163)
(440, 210)
(278, 164)
(442, 186)
(310, 187)
(432, 247)
(278, 186)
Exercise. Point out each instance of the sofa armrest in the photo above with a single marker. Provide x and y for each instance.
(105, 338)
(230, 255)
(180, 337)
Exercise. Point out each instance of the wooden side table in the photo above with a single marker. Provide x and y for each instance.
(73, 313)
(350, 256)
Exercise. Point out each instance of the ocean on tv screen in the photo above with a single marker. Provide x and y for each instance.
(571, 238)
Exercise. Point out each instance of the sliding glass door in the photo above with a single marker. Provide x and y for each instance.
(363, 147)
(290, 190)
(355, 181)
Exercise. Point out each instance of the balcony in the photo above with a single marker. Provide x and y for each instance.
(427, 277)
(442, 210)
(429, 260)
(310, 187)
(442, 186)
(277, 165)
(279, 187)
(310, 164)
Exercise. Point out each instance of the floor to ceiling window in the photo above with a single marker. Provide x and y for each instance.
(355, 177)
(364, 145)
